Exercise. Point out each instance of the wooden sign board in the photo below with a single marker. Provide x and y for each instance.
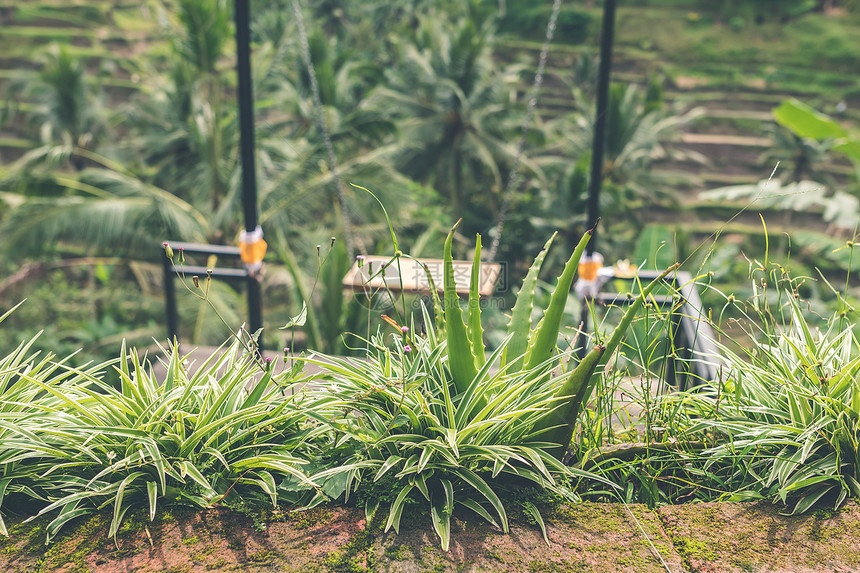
(378, 273)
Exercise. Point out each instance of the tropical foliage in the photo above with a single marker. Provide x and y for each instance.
(432, 411)
(426, 118)
(430, 418)
(420, 106)
(791, 410)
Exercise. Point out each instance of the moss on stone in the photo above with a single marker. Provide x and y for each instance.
(690, 548)
(216, 565)
(263, 556)
(308, 518)
(553, 567)
(356, 555)
(398, 553)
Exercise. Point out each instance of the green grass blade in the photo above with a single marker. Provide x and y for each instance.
(486, 491)
(4, 484)
(396, 510)
(438, 311)
(387, 465)
(11, 310)
(387, 218)
(808, 500)
(118, 509)
(172, 368)
(267, 484)
(630, 314)
(530, 508)
(480, 510)
(152, 497)
(370, 508)
(217, 455)
(67, 514)
(441, 508)
(189, 469)
(274, 462)
(254, 397)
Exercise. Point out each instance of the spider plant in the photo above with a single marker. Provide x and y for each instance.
(225, 431)
(790, 408)
(17, 395)
(784, 412)
(404, 419)
(531, 348)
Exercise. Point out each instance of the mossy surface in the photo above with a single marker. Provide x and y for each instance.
(582, 537)
(70, 551)
(756, 537)
(309, 518)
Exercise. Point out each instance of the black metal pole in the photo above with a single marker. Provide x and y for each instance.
(247, 145)
(600, 119)
(596, 179)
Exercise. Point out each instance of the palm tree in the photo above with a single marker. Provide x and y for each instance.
(65, 110)
(638, 129)
(301, 186)
(802, 155)
(66, 119)
(455, 121)
(98, 201)
(176, 175)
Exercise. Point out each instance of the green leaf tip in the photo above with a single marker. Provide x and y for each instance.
(519, 326)
(476, 331)
(461, 360)
(546, 335)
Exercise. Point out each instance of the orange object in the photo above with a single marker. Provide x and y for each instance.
(252, 253)
(589, 265)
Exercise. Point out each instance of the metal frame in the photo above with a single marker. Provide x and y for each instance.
(252, 284)
(694, 351)
(245, 106)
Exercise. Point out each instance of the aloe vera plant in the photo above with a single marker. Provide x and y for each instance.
(531, 349)
(558, 425)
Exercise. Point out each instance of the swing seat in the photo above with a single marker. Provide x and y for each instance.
(378, 273)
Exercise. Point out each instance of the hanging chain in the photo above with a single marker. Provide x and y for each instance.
(332, 159)
(514, 175)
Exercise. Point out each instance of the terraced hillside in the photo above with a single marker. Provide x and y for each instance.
(108, 34)
(736, 72)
